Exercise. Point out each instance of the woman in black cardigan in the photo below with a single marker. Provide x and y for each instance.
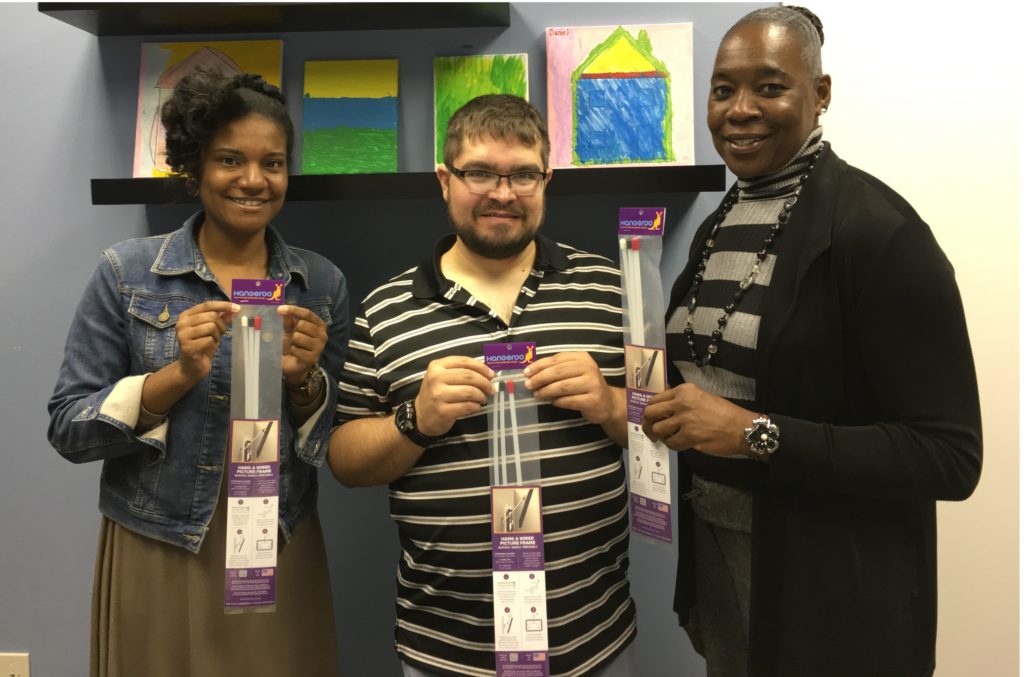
(828, 395)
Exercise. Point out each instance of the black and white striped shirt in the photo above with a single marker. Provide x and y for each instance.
(571, 301)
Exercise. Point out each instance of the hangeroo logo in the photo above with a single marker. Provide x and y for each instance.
(641, 221)
(500, 356)
(266, 292)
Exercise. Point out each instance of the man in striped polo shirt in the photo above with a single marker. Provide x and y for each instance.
(413, 410)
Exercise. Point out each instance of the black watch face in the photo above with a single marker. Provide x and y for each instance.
(405, 422)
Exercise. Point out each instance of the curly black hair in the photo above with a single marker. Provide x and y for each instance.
(206, 100)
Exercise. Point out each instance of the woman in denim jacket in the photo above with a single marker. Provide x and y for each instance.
(145, 387)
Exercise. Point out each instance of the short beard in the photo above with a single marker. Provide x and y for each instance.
(490, 249)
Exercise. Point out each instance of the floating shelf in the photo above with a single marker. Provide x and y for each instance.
(418, 185)
(193, 18)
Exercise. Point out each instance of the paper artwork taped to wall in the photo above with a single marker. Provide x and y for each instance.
(350, 117)
(164, 64)
(620, 95)
(457, 79)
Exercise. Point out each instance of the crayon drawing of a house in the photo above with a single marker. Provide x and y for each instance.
(621, 96)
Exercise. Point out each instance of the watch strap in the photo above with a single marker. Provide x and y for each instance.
(311, 385)
(405, 421)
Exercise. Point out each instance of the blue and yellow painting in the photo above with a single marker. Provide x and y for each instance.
(350, 117)
(620, 95)
(622, 103)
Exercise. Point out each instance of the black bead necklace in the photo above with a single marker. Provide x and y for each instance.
(748, 280)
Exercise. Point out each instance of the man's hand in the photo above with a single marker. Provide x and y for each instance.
(574, 381)
(453, 388)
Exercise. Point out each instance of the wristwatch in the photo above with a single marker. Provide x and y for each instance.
(311, 385)
(405, 421)
(762, 436)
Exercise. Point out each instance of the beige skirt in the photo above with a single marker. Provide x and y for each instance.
(158, 610)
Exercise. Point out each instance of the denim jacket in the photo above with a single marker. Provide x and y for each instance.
(164, 482)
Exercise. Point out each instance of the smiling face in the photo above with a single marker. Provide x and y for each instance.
(500, 224)
(764, 102)
(244, 176)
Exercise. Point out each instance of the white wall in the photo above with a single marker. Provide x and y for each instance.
(925, 97)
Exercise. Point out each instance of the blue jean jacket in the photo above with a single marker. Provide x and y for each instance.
(164, 482)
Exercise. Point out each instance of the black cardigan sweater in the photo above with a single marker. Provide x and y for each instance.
(864, 363)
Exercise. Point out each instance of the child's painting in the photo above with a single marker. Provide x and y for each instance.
(457, 79)
(350, 117)
(164, 64)
(620, 95)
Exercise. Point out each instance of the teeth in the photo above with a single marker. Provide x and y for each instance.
(248, 203)
(743, 142)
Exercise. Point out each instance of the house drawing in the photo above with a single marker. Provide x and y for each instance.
(621, 103)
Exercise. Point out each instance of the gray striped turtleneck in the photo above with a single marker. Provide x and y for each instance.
(731, 373)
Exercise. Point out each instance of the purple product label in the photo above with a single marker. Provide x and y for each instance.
(250, 587)
(522, 664)
(517, 552)
(636, 402)
(500, 356)
(642, 221)
(651, 518)
(257, 292)
(517, 535)
(254, 469)
(252, 480)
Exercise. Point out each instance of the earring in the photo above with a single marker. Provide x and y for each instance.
(824, 109)
(192, 187)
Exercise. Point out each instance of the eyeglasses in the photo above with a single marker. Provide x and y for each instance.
(482, 182)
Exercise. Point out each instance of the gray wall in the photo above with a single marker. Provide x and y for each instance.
(67, 115)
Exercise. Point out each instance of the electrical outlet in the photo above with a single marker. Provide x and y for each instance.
(14, 665)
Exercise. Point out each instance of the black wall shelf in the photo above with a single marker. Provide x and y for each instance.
(413, 185)
(192, 18)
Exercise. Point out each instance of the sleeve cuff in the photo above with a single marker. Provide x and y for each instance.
(124, 405)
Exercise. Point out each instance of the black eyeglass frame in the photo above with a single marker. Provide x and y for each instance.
(461, 174)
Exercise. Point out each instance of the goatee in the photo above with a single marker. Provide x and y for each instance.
(494, 247)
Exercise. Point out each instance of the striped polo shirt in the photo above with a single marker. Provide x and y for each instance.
(571, 301)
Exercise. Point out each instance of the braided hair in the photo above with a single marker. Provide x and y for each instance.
(204, 102)
(804, 25)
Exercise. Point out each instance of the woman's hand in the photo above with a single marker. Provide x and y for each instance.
(199, 330)
(305, 336)
(687, 417)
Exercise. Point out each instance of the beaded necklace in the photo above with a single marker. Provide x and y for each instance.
(748, 280)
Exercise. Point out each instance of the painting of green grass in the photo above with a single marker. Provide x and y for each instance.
(345, 150)
(457, 79)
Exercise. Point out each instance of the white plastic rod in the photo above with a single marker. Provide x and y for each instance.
(246, 359)
(257, 323)
(629, 249)
(495, 425)
(636, 295)
(511, 387)
(502, 456)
